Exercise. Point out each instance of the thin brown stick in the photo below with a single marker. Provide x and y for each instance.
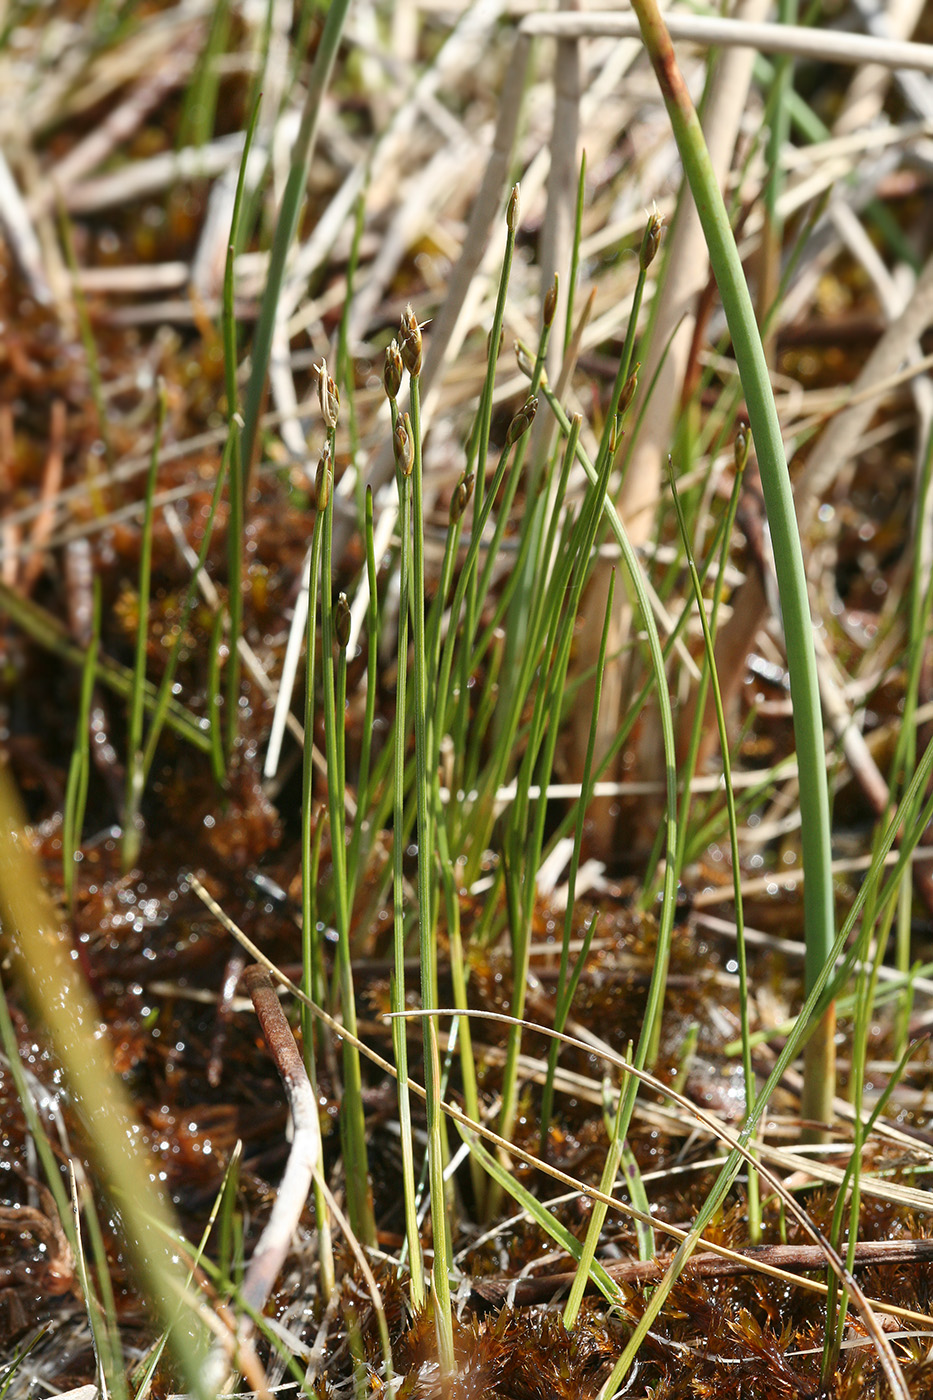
(792, 1258)
(304, 1161)
(275, 1241)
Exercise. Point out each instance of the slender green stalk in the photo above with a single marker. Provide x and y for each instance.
(341, 618)
(458, 966)
(15, 1364)
(476, 462)
(163, 697)
(534, 562)
(575, 253)
(199, 110)
(312, 958)
(598, 1214)
(214, 702)
(532, 530)
(819, 913)
(459, 971)
(45, 1153)
(99, 1295)
(352, 1121)
(440, 1279)
(779, 126)
(86, 331)
(345, 368)
(287, 225)
(363, 818)
(850, 1183)
(312, 969)
(237, 522)
(921, 606)
(753, 1198)
(79, 767)
(230, 1228)
(475, 821)
(688, 767)
(404, 462)
(644, 1233)
(410, 344)
(135, 774)
(524, 588)
(566, 980)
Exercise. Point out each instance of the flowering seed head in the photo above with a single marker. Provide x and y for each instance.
(651, 240)
(550, 303)
(522, 421)
(392, 373)
(524, 360)
(342, 621)
(404, 447)
(461, 497)
(513, 209)
(628, 389)
(323, 479)
(410, 343)
(328, 396)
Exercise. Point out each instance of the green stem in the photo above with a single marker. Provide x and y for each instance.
(819, 1083)
(288, 224)
(79, 767)
(754, 1210)
(352, 1120)
(399, 1042)
(426, 880)
(135, 772)
(236, 524)
(312, 968)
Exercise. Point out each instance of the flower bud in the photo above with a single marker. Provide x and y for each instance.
(550, 303)
(651, 240)
(628, 389)
(410, 343)
(342, 621)
(404, 447)
(741, 447)
(524, 360)
(328, 396)
(392, 373)
(461, 497)
(324, 479)
(513, 209)
(522, 421)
